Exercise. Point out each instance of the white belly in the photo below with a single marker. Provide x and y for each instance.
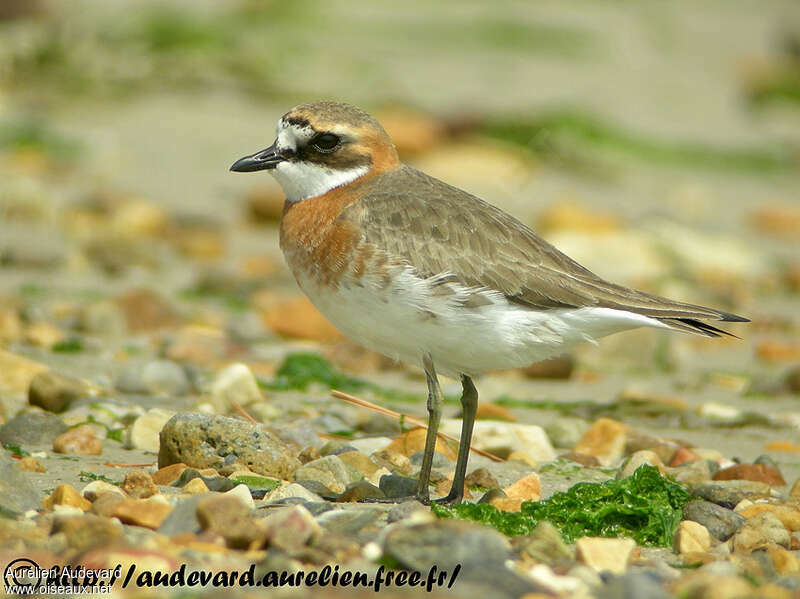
(406, 320)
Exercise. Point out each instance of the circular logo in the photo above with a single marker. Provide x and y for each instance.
(22, 572)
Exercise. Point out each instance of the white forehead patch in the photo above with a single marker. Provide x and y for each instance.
(291, 136)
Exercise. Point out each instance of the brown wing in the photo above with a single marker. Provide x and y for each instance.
(439, 229)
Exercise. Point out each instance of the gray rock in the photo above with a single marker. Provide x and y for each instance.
(479, 550)
(329, 470)
(632, 585)
(205, 441)
(214, 483)
(722, 523)
(360, 490)
(17, 494)
(446, 543)
(728, 493)
(401, 511)
(32, 427)
(545, 545)
(183, 518)
(349, 521)
(54, 392)
(395, 485)
(759, 532)
(439, 461)
(158, 377)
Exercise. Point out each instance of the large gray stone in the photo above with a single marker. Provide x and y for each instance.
(32, 427)
(17, 494)
(722, 523)
(205, 441)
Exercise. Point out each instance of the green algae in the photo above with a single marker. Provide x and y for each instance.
(644, 506)
(570, 133)
(256, 483)
(299, 370)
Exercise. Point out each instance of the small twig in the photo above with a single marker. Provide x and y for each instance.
(243, 412)
(125, 465)
(405, 417)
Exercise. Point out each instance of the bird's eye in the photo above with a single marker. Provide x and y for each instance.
(326, 142)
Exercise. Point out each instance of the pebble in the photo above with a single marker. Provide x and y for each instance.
(413, 442)
(298, 319)
(604, 440)
(196, 486)
(79, 440)
(17, 372)
(644, 456)
(291, 528)
(359, 462)
(445, 544)
(784, 561)
(146, 310)
(143, 432)
(503, 438)
(528, 488)
(105, 504)
(370, 445)
(31, 464)
(545, 544)
(393, 461)
(242, 493)
(66, 494)
(183, 517)
(88, 531)
(157, 377)
(789, 515)
(692, 537)
(397, 486)
(103, 318)
(209, 476)
(93, 490)
(481, 477)
(235, 384)
(138, 484)
(491, 411)
(360, 490)
(142, 512)
(728, 493)
(228, 517)
(566, 432)
(54, 392)
(759, 532)
(329, 470)
(754, 472)
(31, 427)
(605, 555)
(722, 523)
(168, 474)
(203, 441)
(291, 490)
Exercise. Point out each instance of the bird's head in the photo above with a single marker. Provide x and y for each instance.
(321, 146)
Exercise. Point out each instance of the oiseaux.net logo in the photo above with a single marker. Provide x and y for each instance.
(23, 576)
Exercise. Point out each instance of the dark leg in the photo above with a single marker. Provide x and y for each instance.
(434, 416)
(469, 405)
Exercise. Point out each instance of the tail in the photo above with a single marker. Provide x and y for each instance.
(695, 325)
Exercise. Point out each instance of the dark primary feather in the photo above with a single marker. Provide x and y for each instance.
(437, 229)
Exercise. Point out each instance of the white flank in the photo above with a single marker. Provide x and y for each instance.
(408, 319)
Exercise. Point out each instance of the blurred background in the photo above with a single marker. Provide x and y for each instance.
(658, 143)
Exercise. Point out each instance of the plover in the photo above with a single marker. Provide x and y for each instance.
(429, 274)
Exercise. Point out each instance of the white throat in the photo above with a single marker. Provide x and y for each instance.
(301, 180)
